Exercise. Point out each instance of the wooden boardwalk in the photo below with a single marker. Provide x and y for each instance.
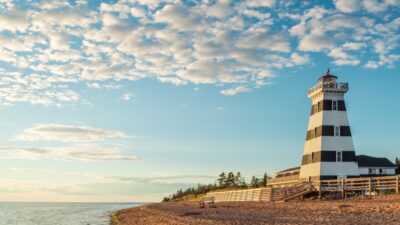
(299, 188)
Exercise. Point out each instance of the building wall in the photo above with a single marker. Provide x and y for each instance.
(387, 171)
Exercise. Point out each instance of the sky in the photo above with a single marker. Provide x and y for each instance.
(130, 100)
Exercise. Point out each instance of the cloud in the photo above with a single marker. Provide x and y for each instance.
(351, 62)
(72, 153)
(260, 3)
(299, 59)
(162, 178)
(268, 41)
(49, 49)
(347, 6)
(67, 133)
(94, 187)
(354, 45)
(15, 20)
(234, 91)
(180, 17)
(375, 6)
(315, 43)
(127, 96)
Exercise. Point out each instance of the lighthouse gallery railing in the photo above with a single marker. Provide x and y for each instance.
(338, 86)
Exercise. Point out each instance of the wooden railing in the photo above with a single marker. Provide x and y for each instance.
(360, 184)
(283, 180)
(301, 187)
(246, 195)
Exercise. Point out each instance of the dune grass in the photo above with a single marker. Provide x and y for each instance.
(114, 219)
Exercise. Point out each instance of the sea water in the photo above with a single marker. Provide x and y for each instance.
(13, 213)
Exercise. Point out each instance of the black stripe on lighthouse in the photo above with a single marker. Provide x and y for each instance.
(328, 156)
(326, 105)
(327, 130)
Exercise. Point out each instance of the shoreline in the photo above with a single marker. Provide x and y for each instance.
(378, 210)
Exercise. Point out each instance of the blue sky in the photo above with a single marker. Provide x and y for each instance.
(131, 100)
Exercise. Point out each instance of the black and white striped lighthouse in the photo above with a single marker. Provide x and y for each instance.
(328, 150)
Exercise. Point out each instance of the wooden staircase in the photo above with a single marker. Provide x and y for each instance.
(294, 191)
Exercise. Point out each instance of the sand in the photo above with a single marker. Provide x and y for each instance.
(378, 210)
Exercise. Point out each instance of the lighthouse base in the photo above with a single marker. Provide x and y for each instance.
(329, 170)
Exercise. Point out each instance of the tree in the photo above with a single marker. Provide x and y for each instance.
(230, 180)
(239, 180)
(255, 182)
(222, 179)
(264, 180)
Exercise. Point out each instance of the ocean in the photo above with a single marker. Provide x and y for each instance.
(13, 213)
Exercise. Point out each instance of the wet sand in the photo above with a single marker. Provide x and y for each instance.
(377, 210)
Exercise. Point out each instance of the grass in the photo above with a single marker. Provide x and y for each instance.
(198, 198)
(114, 219)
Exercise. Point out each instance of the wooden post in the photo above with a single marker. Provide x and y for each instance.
(397, 184)
(270, 194)
(369, 186)
(342, 188)
(319, 190)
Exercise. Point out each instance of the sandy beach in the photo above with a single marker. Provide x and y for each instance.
(377, 210)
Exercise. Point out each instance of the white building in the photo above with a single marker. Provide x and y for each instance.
(328, 151)
(373, 166)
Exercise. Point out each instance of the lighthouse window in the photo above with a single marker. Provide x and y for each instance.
(334, 105)
(328, 105)
(345, 131)
(348, 156)
(328, 130)
(341, 105)
(338, 156)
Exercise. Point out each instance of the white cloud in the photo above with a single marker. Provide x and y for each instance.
(73, 153)
(299, 29)
(260, 3)
(15, 20)
(234, 91)
(354, 45)
(315, 43)
(268, 41)
(347, 6)
(341, 62)
(67, 133)
(179, 17)
(372, 65)
(103, 86)
(374, 6)
(138, 12)
(338, 53)
(52, 47)
(256, 14)
(299, 59)
(127, 96)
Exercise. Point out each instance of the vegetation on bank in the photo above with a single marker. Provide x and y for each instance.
(114, 219)
(225, 181)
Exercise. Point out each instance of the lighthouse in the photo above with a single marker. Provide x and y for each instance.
(328, 150)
